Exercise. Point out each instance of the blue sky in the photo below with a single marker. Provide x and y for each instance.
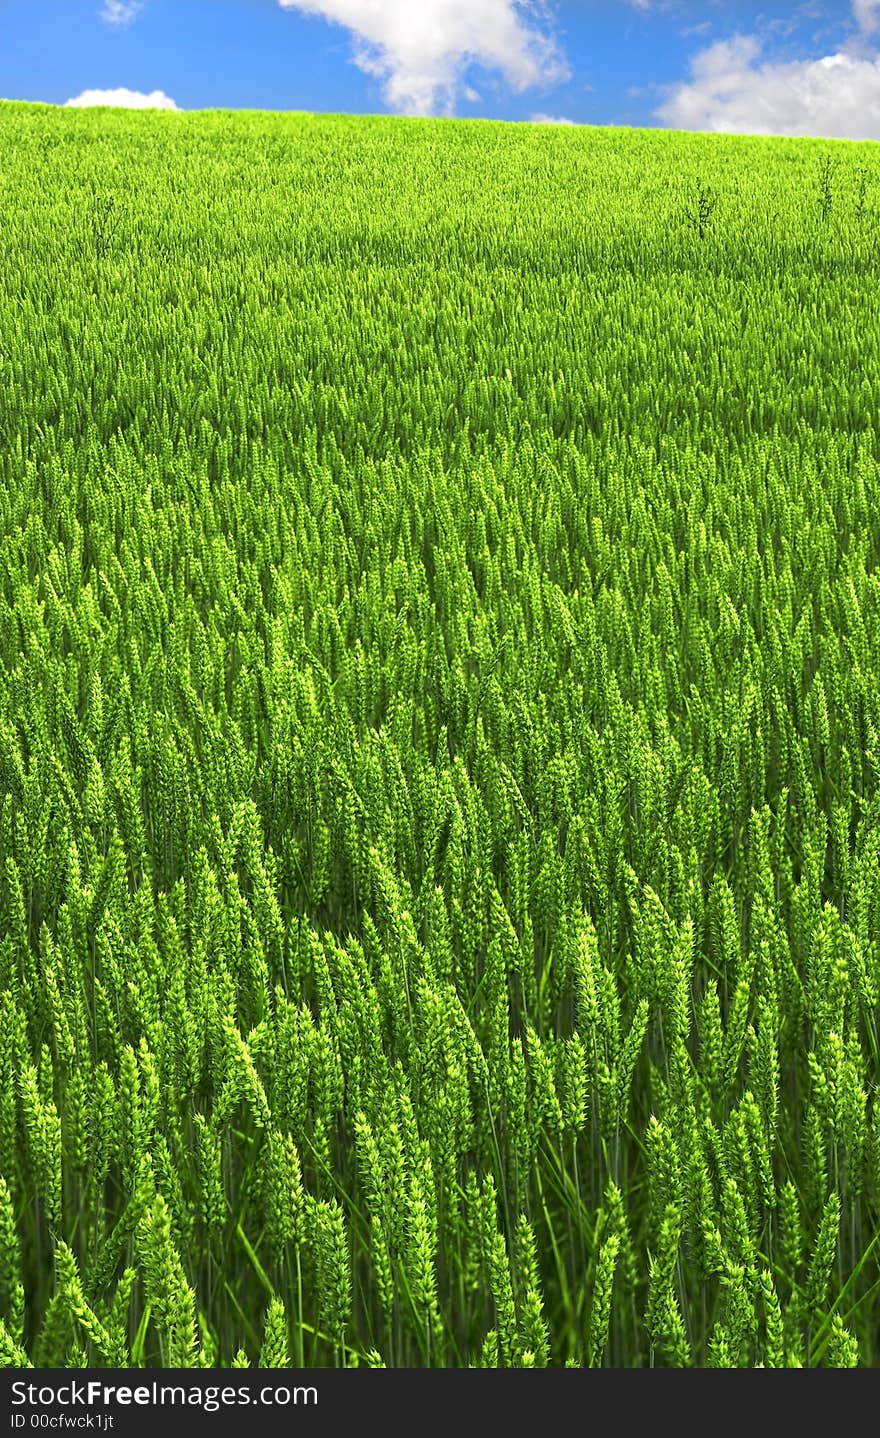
(809, 68)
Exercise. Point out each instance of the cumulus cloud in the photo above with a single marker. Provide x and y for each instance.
(731, 91)
(125, 99)
(421, 49)
(541, 119)
(120, 12)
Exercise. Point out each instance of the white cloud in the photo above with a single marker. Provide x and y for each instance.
(124, 99)
(731, 91)
(121, 12)
(421, 49)
(866, 14)
(541, 119)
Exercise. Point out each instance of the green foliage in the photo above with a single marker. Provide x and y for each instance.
(439, 714)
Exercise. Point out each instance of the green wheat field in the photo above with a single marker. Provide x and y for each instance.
(439, 744)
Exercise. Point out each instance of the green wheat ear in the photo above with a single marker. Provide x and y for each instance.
(533, 1326)
(819, 1272)
(168, 1292)
(11, 1287)
(843, 1347)
(600, 1312)
(275, 1348)
(12, 1355)
(490, 1352)
(773, 1323)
